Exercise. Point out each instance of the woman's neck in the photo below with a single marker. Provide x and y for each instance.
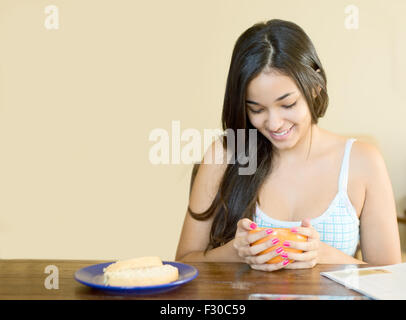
(302, 151)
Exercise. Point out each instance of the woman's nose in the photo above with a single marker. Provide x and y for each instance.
(274, 121)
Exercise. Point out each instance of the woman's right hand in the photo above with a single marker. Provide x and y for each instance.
(242, 240)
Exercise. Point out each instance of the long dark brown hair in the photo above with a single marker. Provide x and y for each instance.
(282, 46)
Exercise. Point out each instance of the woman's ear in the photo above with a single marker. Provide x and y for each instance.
(318, 89)
(314, 92)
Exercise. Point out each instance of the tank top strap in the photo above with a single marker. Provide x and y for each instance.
(343, 180)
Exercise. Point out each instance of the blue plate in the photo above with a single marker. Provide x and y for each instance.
(92, 276)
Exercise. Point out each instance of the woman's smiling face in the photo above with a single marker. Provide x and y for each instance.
(277, 109)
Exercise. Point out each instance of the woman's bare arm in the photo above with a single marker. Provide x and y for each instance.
(380, 242)
(195, 233)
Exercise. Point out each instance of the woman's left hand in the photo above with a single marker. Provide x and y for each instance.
(311, 248)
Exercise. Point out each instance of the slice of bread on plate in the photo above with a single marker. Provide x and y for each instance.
(143, 271)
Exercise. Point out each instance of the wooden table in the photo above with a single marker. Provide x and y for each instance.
(25, 279)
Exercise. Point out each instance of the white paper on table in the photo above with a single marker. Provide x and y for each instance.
(383, 283)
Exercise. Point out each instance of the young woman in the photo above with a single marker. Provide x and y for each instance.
(332, 189)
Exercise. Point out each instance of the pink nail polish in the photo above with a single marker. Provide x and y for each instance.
(294, 230)
(284, 255)
(269, 231)
(285, 262)
(275, 241)
(286, 244)
(279, 250)
(253, 226)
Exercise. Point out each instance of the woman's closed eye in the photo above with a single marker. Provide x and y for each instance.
(256, 111)
(283, 106)
(289, 106)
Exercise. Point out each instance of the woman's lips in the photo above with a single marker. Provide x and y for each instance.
(283, 136)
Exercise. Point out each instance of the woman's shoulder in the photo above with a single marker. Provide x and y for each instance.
(216, 153)
(367, 158)
(365, 154)
(209, 172)
(364, 147)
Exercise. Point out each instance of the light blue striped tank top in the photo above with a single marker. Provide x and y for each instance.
(338, 226)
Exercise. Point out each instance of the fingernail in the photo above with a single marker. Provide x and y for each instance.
(284, 255)
(294, 230)
(269, 231)
(275, 241)
(285, 262)
(253, 226)
(286, 244)
(279, 250)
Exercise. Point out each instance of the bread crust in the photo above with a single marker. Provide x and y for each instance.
(143, 271)
(142, 262)
(143, 276)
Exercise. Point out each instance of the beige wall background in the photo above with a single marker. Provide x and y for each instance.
(77, 105)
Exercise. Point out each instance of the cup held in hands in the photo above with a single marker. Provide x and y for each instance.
(283, 234)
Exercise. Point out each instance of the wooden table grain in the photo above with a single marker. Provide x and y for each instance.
(25, 280)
